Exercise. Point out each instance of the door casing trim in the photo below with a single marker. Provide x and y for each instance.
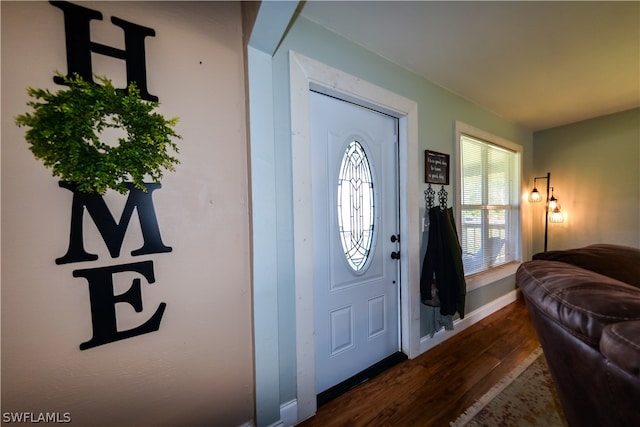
(308, 74)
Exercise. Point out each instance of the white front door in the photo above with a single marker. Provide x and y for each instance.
(355, 217)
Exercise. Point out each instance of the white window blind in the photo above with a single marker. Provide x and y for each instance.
(489, 206)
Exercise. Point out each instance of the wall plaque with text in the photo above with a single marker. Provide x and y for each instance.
(436, 168)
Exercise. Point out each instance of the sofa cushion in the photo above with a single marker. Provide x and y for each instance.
(619, 262)
(579, 300)
(620, 343)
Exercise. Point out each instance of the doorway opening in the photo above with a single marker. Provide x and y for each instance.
(355, 202)
(307, 74)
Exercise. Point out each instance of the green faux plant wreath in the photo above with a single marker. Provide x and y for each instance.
(66, 127)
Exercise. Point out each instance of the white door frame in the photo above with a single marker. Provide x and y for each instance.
(306, 74)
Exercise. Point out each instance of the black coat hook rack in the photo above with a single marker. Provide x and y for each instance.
(430, 195)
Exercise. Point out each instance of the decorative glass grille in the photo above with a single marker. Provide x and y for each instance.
(356, 206)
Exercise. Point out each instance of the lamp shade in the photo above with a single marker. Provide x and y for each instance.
(535, 195)
(556, 216)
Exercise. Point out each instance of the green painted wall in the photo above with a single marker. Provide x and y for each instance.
(438, 109)
(594, 167)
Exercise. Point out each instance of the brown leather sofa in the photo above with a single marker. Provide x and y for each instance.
(585, 306)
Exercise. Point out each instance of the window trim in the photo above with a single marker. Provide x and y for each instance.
(491, 275)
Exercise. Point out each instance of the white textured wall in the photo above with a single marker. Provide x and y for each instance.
(197, 369)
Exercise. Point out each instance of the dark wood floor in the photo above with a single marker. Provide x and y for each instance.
(436, 387)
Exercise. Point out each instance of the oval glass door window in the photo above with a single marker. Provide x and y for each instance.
(356, 206)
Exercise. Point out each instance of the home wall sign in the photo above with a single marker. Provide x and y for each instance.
(103, 300)
(436, 168)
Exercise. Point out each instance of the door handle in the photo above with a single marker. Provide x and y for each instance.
(395, 255)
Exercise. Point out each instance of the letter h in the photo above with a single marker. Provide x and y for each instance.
(77, 21)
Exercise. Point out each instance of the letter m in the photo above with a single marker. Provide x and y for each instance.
(112, 232)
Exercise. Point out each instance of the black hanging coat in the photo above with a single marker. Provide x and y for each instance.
(443, 264)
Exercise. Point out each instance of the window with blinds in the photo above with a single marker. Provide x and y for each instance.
(489, 205)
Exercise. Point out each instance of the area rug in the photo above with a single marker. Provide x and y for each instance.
(526, 397)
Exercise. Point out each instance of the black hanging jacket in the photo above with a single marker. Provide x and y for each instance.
(443, 264)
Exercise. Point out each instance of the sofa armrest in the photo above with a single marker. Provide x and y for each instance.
(578, 300)
(618, 262)
(620, 343)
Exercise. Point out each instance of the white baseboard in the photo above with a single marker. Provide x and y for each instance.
(288, 414)
(427, 343)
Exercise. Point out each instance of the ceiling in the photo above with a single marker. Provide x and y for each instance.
(538, 64)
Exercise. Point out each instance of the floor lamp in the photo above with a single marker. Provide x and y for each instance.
(552, 208)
